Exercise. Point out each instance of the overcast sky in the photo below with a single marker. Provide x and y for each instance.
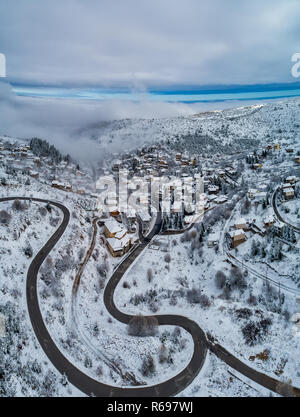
(136, 44)
(142, 44)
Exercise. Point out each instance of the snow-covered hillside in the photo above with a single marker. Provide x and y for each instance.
(222, 131)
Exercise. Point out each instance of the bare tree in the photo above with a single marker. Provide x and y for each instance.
(148, 366)
(5, 217)
(149, 274)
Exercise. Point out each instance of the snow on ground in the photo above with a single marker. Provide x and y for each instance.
(111, 337)
(223, 318)
(26, 369)
(216, 379)
(183, 269)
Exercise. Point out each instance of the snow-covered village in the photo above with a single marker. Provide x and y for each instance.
(129, 295)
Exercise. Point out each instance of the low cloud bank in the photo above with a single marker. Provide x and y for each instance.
(73, 125)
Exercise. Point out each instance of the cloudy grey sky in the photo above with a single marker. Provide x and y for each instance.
(144, 44)
(136, 44)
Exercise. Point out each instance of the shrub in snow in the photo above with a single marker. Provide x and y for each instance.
(43, 211)
(28, 251)
(252, 300)
(143, 326)
(149, 274)
(81, 253)
(163, 353)
(243, 313)
(204, 301)
(102, 269)
(18, 205)
(193, 296)
(175, 336)
(255, 332)
(99, 371)
(286, 314)
(237, 280)
(4, 217)
(148, 366)
(173, 300)
(226, 291)
(88, 362)
(63, 264)
(101, 283)
(220, 279)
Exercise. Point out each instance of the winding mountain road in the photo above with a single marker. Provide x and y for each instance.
(76, 377)
(89, 385)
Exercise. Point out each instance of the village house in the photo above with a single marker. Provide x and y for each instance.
(252, 192)
(112, 227)
(269, 221)
(37, 161)
(213, 189)
(278, 228)
(221, 199)
(240, 224)
(80, 191)
(260, 197)
(144, 217)
(285, 186)
(237, 237)
(291, 179)
(118, 246)
(116, 165)
(257, 166)
(117, 238)
(288, 193)
(34, 174)
(61, 186)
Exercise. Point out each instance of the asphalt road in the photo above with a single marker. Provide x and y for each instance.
(89, 385)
